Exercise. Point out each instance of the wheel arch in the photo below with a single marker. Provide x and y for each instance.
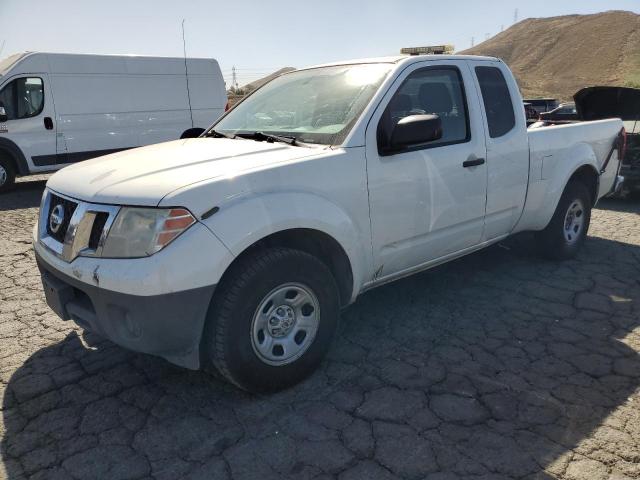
(584, 173)
(314, 242)
(10, 150)
(589, 176)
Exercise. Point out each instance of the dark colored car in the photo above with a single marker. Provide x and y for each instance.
(542, 105)
(531, 113)
(597, 103)
(566, 111)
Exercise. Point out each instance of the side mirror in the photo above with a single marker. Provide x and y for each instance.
(3, 115)
(415, 130)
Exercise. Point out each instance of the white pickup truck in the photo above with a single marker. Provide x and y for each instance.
(237, 250)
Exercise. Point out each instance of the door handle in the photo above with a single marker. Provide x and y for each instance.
(473, 163)
(48, 123)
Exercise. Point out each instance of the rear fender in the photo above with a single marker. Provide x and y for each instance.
(549, 175)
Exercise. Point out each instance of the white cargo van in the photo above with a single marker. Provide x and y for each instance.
(58, 108)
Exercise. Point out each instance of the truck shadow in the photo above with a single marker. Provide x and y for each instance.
(628, 205)
(24, 194)
(495, 364)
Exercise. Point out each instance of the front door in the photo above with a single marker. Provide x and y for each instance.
(429, 201)
(31, 119)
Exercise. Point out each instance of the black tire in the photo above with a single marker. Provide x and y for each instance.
(7, 175)
(228, 343)
(552, 241)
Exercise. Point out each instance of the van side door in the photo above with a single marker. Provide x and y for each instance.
(428, 201)
(29, 106)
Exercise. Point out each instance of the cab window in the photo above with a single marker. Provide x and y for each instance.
(431, 90)
(497, 101)
(23, 98)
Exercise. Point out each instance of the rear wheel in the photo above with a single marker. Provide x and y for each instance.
(7, 175)
(567, 230)
(271, 320)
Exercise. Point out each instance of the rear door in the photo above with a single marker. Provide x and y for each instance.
(29, 106)
(429, 201)
(507, 146)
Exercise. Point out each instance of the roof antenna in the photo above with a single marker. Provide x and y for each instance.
(186, 71)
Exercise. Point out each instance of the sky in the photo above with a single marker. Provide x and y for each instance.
(258, 37)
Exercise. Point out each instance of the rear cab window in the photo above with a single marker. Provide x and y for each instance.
(497, 101)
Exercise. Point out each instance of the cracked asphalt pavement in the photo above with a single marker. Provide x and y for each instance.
(498, 365)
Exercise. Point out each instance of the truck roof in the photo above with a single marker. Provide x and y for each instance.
(406, 59)
(33, 62)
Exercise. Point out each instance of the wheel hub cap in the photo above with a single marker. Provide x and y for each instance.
(285, 324)
(282, 321)
(574, 221)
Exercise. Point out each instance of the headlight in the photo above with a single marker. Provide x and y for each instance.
(140, 232)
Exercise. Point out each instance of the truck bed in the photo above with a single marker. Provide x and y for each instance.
(553, 152)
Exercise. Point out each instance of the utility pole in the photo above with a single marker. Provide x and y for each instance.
(473, 41)
(515, 16)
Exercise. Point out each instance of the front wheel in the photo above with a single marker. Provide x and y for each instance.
(567, 230)
(7, 175)
(271, 320)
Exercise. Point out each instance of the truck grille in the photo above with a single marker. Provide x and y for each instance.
(69, 208)
(70, 227)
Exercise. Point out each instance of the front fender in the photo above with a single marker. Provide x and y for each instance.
(245, 220)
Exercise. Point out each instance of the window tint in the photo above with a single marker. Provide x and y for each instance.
(23, 98)
(497, 101)
(431, 90)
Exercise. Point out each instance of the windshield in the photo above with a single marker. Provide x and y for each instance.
(319, 105)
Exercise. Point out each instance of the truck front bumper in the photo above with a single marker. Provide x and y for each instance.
(138, 303)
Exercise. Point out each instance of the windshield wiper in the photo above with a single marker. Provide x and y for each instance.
(261, 136)
(215, 134)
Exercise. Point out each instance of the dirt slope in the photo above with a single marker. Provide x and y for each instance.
(557, 56)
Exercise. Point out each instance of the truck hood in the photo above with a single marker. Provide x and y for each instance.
(599, 103)
(143, 176)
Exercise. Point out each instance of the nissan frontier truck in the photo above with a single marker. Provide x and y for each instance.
(236, 251)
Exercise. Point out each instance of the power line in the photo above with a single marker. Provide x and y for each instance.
(234, 76)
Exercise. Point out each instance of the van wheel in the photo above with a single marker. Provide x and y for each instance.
(271, 319)
(567, 230)
(7, 175)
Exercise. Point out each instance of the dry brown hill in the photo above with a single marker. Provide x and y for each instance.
(557, 56)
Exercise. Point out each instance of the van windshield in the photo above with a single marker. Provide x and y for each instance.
(319, 105)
